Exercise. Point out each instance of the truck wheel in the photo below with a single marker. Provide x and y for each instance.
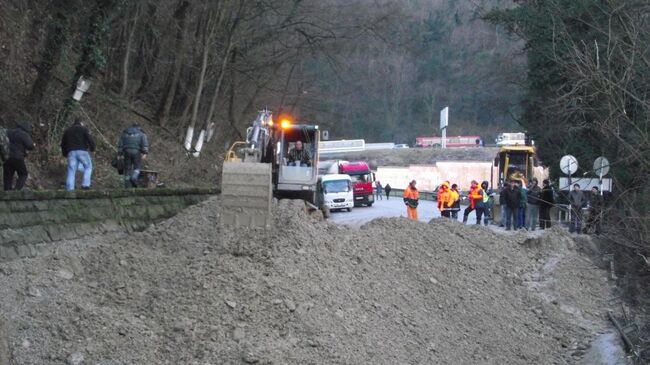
(370, 205)
(349, 209)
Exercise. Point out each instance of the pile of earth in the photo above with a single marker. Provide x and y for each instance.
(189, 291)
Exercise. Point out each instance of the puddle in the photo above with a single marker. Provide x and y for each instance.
(606, 349)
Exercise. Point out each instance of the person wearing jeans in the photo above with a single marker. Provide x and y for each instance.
(532, 211)
(76, 145)
(79, 160)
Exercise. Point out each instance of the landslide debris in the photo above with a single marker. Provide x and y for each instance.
(189, 291)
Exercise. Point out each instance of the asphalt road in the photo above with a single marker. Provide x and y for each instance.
(389, 208)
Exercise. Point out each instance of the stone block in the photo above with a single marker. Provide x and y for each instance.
(8, 253)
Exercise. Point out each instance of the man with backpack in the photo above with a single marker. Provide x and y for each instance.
(20, 141)
(133, 146)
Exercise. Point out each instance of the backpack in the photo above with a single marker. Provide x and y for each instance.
(4, 145)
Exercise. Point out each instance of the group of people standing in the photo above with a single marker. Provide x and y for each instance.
(77, 146)
(524, 207)
(449, 199)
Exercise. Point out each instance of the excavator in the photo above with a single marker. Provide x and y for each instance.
(257, 170)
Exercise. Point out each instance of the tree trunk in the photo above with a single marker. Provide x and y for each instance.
(207, 38)
(170, 94)
(217, 88)
(56, 39)
(127, 53)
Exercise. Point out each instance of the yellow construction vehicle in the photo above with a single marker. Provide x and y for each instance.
(258, 169)
(514, 163)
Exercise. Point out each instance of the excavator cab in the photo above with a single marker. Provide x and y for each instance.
(256, 170)
(296, 179)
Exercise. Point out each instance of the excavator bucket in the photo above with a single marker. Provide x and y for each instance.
(246, 193)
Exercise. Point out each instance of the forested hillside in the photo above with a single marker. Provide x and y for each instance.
(588, 94)
(380, 70)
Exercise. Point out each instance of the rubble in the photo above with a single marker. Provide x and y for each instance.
(190, 290)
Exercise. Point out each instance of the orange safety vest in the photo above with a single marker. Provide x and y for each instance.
(475, 195)
(411, 196)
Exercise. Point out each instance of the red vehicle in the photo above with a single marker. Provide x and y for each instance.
(452, 141)
(362, 181)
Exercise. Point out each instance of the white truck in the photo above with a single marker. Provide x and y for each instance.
(335, 191)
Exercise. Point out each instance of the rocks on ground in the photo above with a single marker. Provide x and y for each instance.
(306, 291)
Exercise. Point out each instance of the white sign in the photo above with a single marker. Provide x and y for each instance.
(444, 118)
(586, 183)
(569, 165)
(601, 166)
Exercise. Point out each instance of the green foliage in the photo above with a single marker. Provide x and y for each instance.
(394, 87)
(577, 51)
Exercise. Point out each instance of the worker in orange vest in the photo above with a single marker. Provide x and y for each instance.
(444, 200)
(411, 199)
(475, 197)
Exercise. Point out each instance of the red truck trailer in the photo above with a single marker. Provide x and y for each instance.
(361, 176)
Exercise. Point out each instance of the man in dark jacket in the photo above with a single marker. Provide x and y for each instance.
(576, 202)
(546, 203)
(76, 146)
(512, 197)
(533, 195)
(299, 156)
(20, 141)
(595, 211)
(134, 147)
(387, 189)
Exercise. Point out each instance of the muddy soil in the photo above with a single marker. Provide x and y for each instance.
(307, 291)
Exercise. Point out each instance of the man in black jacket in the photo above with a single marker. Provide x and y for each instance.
(76, 146)
(546, 203)
(20, 141)
(512, 197)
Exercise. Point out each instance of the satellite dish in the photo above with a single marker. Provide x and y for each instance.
(601, 166)
(569, 165)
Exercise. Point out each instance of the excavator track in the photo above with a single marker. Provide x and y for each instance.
(246, 193)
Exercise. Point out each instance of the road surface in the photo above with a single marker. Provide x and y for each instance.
(390, 208)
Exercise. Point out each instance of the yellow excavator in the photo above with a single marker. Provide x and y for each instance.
(258, 169)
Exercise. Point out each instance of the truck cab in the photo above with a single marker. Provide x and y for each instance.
(362, 181)
(335, 192)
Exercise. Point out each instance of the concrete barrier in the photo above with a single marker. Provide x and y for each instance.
(29, 220)
(429, 177)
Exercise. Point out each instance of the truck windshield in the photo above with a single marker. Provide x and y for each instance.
(360, 178)
(336, 186)
(517, 166)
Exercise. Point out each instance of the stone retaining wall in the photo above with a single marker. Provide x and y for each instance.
(29, 220)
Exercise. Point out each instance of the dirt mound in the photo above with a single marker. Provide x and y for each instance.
(189, 291)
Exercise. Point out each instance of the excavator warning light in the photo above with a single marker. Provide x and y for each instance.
(285, 123)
